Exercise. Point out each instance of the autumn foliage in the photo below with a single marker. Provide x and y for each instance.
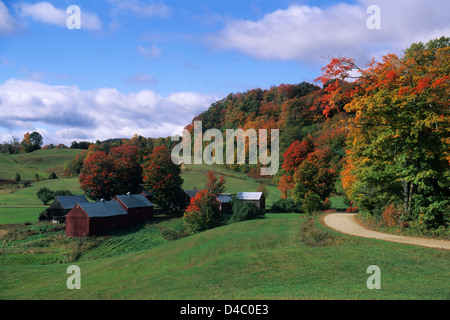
(163, 177)
(203, 212)
(106, 174)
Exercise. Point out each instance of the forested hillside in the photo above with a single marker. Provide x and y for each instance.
(378, 135)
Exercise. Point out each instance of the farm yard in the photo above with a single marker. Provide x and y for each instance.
(282, 256)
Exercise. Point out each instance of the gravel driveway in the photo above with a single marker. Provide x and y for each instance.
(346, 223)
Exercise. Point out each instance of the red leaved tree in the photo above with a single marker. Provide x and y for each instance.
(203, 212)
(214, 185)
(163, 178)
(105, 175)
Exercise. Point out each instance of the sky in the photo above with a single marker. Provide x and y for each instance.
(148, 67)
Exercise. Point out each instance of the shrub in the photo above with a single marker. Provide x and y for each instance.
(326, 204)
(352, 209)
(312, 236)
(53, 176)
(392, 215)
(286, 205)
(203, 213)
(169, 234)
(64, 192)
(245, 211)
(312, 203)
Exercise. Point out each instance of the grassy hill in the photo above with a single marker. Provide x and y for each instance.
(195, 177)
(41, 162)
(280, 257)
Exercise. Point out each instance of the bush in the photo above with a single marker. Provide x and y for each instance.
(245, 211)
(53, 176)
(286, 205)
(64, 192)
(203, 213)
(312, 236)
(312, 203)
(392, 215)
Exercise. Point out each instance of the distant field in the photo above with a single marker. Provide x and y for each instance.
(41, 162)
(20, 205)
(195, 177)
(19, 215)
(27, 196)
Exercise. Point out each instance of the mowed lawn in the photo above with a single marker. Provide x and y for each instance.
(27, 196)
(259, 259)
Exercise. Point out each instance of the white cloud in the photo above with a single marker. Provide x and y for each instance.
(8, 24)
(306, 33)
(68, 113)
(140, 8)
(140, 78)
(149, 53)
(47, 13)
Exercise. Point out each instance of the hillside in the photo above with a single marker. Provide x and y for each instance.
(41, 162)
(275, 258)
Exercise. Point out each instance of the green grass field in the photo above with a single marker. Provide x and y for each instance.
(259, 259)
(41, 162)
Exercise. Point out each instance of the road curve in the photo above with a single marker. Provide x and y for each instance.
(346, 223)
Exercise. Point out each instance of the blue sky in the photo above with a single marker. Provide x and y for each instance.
(148, 67)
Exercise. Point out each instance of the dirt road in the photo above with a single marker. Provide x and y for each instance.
(346, 223)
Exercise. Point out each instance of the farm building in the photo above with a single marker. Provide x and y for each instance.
(188, 195)
(225, 202)
(149, 195)
(61, 207)
(88, 219)
(257, 198)
(138, 207)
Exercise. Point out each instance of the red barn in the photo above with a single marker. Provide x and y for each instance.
(138, 207)
(93, 218)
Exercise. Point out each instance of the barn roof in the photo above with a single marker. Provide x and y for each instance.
(224, 197)
(68, 202)
(191, 193)
(135, 200)
(249, 195)
(103, 209)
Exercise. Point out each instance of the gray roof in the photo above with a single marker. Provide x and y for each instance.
(68, 202)
(191, 193)
(103, 209)
(224, 198)
(249, 195)
(135, 200)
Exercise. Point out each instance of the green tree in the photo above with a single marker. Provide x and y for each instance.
(32, 142)
(45, 195)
